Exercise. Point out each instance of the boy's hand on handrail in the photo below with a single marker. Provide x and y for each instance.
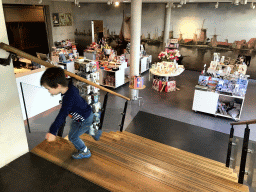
(50, 137)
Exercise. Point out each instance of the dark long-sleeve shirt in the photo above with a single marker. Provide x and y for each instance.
(73, 105)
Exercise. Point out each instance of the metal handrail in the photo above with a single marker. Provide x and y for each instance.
(47, 64)
(248, 122)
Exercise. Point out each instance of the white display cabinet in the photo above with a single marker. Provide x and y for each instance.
(144, 64)
(208, 102)
(118, 75)
(90, 55)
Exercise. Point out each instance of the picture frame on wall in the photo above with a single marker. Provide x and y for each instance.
(55, 19)
(65, 19)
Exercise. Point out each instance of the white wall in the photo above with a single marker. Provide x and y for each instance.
(152, 16)
(62, 32)
(13, 140)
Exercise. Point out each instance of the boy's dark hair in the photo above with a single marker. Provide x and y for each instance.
(54, 76)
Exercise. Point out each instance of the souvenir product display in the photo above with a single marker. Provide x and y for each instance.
(89, 92)
(226, 85)
(137, 82)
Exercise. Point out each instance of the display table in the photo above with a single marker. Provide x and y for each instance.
(167, 75)
(90, 54)
(177, 73)
(221, 91)
(131, 87)
(208, 102)
(119, 77)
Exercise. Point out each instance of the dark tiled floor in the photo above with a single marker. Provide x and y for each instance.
(35, 174)
(204, 142)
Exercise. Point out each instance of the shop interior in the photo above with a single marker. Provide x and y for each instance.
(181, 104)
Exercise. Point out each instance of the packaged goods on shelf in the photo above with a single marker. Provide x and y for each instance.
(221, 90)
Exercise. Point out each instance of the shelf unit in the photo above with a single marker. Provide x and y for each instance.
(207, 102)
(118, 75)
(172, 44)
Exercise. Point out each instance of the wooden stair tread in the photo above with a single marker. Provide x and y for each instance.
(114, 165)
(192, 158)
(201, 162)
(97, 169)
(164, 157)
(190, 177)
(169, 149)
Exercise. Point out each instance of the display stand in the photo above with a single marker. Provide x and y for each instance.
(167, 75)
(119, 78)
(88, 92)
(172, 44)
(207, 102)
(90, 55)
(131, 87)
(221, 91)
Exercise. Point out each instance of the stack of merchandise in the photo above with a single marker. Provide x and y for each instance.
(89, 92)
(137, 82)
(229, 108)
(107, 49)
(159, 84)
(64, 54)
(110, 80)
(228, 86)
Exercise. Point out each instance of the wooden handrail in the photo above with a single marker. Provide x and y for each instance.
(47, 64)
(253, 121)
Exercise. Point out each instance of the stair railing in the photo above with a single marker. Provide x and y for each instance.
(16, 52)
(245, 150)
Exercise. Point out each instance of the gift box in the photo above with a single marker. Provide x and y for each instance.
(157, 84)
(138, 82)
(170, 86)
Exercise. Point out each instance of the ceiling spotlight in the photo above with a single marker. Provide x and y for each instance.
(236, 2)
(109, 2)
(40, 1)
(179, 5)
(217, 5)
(116, 4)
(252, 6)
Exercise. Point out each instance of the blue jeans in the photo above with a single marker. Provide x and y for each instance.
(77, 129)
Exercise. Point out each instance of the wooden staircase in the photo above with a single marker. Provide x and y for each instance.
(122, 161)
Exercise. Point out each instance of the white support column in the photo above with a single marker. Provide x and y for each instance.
(93, 31)
(136, 9)
(167, 23)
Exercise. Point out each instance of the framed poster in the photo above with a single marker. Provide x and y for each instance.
(65, 19)
(55, 19)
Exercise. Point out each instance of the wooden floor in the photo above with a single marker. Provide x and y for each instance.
(127, 162)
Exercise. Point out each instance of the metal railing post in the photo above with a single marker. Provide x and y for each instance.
(231, 135)
(251, 165)
(24, 105)
(244, 155)
(103, 111)
(123, 117)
